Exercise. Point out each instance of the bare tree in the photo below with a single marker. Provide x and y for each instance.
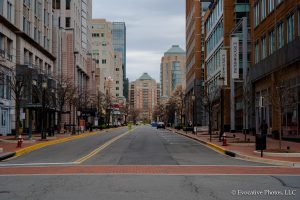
(283, 97)
(208, 101)
(108, 108)
(178, 98)
(134, 114)
(100, 105)
(17, 84)
(65, 93)
(159, 112)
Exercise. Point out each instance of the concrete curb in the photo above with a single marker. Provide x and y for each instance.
(241, 156)
(7, 155)
(211, 145)
(268, 161)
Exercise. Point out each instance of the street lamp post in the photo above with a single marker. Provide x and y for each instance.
(193, 99)
(221, 83)
(44, 86)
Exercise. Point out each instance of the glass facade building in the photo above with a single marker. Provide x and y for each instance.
(119, 45)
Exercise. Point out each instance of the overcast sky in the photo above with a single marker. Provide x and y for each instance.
(153, 26)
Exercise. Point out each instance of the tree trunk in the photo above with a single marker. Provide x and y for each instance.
(209, 124)
(59, 116)
(17, 110)
(280, 132)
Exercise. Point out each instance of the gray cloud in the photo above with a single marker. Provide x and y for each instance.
(152, 27)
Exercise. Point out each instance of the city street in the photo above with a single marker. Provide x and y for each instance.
(144, 163)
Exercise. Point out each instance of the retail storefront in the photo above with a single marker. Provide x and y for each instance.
(5, 102)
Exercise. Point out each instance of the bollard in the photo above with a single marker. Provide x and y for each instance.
(224, 140)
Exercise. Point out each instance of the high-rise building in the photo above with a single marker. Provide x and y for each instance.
(275, 72)
(143, 96)
(103, 53)
(223, 41)
(172, 70)
(72, 42)
(26, 49)
(195, 61)
(119, 45)
(118, 76)
(41, 41)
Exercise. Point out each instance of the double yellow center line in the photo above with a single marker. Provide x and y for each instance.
(88, 156)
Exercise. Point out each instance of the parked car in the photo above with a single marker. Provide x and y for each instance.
(161, 125)
(154, 124)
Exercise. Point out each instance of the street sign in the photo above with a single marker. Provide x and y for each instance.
(223, 55)
(235, 59)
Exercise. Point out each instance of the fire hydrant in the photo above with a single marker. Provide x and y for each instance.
(224, 140)
(20, 141)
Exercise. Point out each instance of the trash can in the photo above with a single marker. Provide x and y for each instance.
(260, 142)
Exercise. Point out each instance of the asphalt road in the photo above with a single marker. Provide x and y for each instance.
(145, 164)
(66, 152)
(144, 146)
(149, 187)
(151, 146)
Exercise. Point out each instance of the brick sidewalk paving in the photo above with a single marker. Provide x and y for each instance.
(248, 149)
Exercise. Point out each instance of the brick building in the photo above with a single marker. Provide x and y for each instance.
(275, 73)
(195, 60)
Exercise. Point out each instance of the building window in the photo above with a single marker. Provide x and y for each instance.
(299, 22)
(103, 61)
(257, 52)
(9, 49)
(2, 88)
(263, 9)
(117, 88)
(117, 82)
(271, 5)
(56, 4)
(68, 4)
(290, 28)
(1, 7)
(271, 42)
(1, 42)
(68, 22)
(280, 38)
(9, 11)
(8, 87)
(117, 69)
(256, 14)
(102, 34)
(278, 2)
(263, 47)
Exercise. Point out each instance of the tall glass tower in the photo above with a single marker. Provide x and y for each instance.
(119, 45)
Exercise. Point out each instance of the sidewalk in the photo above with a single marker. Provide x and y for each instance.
(8, 144)
(236, 147)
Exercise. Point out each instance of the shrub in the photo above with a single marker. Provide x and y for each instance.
(187, 128)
